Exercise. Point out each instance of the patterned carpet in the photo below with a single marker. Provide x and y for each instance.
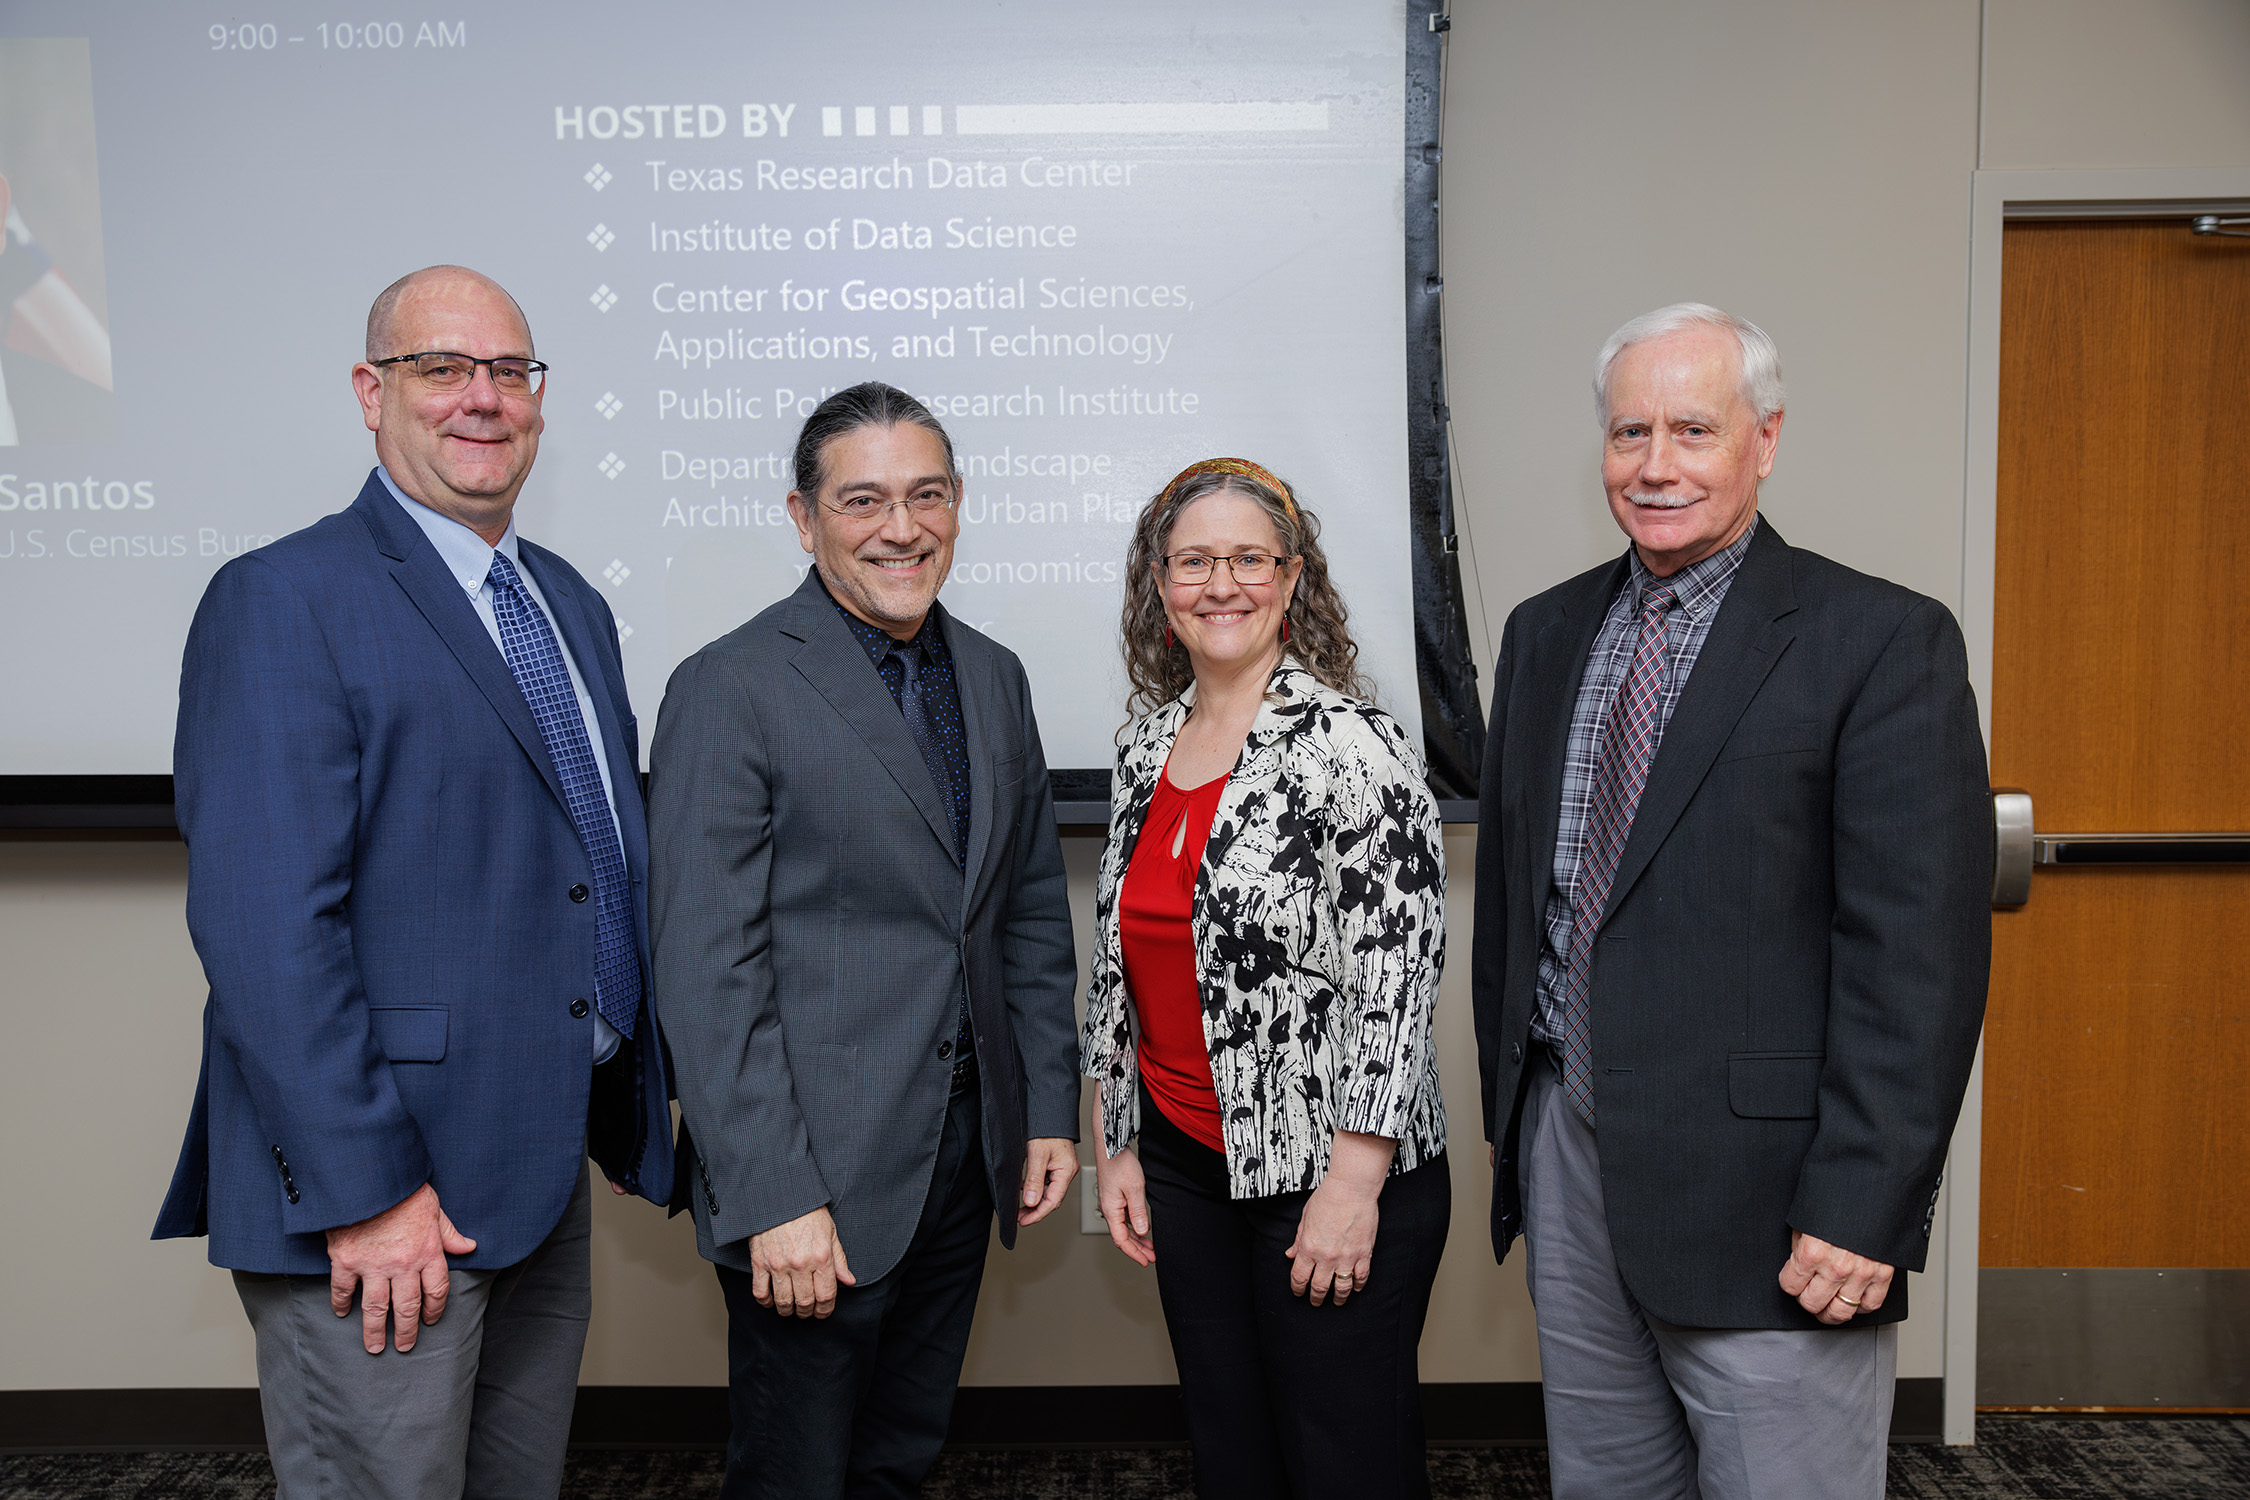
(2034, 1458)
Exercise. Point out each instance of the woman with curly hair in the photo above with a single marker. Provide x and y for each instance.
(1270, 926)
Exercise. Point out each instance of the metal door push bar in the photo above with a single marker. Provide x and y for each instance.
(2017, 847)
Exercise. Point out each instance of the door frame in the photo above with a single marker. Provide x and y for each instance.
(1995, 199)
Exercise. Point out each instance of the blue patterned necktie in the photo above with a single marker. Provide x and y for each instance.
(1620, 774)
(536, 659)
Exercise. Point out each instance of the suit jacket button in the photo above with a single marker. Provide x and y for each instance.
(1515, 1052)
(277, 1153)
(292, 1195)
(944, 1050)
(578, 893)
(578, 1009)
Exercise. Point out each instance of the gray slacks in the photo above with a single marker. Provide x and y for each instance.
(480, 1407)
(1642, 1409)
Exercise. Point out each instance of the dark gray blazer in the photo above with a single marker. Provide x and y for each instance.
(1791, 971)
(811, 930)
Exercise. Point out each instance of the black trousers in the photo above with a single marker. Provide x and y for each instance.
(857, 1404)
(1285, 1399)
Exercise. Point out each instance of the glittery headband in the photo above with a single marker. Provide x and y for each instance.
(1241, 466)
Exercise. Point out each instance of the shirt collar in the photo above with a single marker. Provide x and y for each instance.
(1698, 586)
(465, 554)
(879, 642)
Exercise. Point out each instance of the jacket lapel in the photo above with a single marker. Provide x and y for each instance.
(837, 667)
(1135, 789)
(1144, 762)
(583, 640)
(1745, 641)
(979, 711)
(435, 592)
(1257, 769)
(1558, 668)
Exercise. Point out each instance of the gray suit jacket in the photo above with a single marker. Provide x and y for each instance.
(811, 930)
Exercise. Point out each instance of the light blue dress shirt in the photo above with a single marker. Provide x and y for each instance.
(469, 560)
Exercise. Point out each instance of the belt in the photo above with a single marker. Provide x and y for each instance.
(965, 1072)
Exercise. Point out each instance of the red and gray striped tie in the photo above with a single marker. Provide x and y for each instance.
(1628, 744)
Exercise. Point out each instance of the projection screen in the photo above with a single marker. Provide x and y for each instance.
(1100, 241)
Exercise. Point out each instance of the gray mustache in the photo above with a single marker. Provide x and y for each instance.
(1660, 502)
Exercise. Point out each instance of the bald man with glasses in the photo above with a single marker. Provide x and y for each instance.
(407, 777)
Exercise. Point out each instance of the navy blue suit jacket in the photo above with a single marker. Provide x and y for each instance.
(380, 865)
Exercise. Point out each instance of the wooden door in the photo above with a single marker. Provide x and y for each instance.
(2117, 1044)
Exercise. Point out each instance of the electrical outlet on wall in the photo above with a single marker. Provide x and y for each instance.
(1089, 1205)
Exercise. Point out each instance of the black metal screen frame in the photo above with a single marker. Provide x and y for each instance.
(1445, 668)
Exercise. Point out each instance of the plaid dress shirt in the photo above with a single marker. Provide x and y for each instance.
(1701, 588)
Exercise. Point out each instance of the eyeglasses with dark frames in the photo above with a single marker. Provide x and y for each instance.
(442, 370)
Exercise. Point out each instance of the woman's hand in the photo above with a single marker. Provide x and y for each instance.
(1335, 1245)
(1123, 1194)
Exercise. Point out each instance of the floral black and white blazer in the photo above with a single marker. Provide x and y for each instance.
(1319, 923)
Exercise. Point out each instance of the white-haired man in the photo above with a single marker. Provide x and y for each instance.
(1733, 869)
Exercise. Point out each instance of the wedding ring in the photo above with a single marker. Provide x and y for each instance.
(1848, 1302)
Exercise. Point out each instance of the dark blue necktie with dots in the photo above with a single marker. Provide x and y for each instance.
(536, 659)
(913, 702)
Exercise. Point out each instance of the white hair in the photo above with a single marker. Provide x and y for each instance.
(1761, 361)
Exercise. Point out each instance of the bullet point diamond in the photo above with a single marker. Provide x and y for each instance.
(611, 466)
(600, 237)
(597, 177)
(603, 299)
(624, 631)
(609, 405)
(616, 572)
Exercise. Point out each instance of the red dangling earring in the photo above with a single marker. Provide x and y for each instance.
(1167, 637)
(1285, 630)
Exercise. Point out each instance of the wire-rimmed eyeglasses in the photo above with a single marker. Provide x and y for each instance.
(1189, 568)
(442, 370)
(866, 510)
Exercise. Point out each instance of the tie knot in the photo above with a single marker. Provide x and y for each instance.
(1655, 601)
(503, 574)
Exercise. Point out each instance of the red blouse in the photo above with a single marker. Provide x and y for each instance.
(1156, 929)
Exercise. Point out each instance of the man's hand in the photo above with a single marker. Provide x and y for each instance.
(794, 1267)
(1335, 1245)
(1830, 1282)
(1049, 1164)
(397, 1260)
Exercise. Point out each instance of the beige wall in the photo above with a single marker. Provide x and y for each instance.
(2116, 83)
(1806, 165)
(104, 999)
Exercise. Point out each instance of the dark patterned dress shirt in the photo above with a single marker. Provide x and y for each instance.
(941, 697)
(940, 694)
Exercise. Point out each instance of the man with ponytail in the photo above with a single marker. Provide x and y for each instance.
(864, 967)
